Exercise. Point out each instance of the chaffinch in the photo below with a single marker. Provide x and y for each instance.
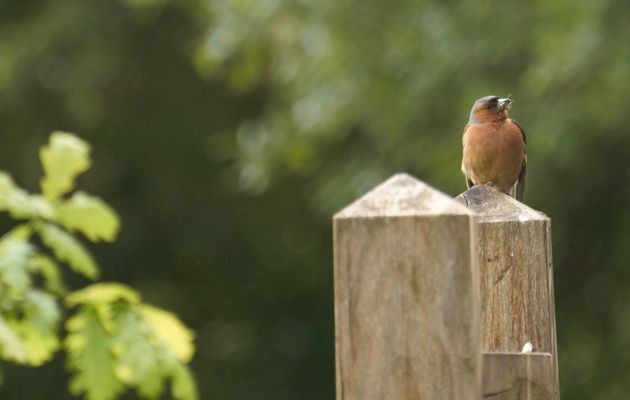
(494, 147)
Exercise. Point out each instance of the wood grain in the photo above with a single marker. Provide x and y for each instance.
(517, 376)
(406, 296)
(516, 274)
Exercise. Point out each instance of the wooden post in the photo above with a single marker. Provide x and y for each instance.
(519, 376)
(406, 296)
(517, 300)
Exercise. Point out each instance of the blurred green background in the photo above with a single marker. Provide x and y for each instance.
(227, 133)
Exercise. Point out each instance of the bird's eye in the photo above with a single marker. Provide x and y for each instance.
(493, 103)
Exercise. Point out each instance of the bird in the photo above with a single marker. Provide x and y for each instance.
(494, 148)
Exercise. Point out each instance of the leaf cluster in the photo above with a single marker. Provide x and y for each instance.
(114, 341)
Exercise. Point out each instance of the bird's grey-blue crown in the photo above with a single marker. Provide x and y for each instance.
(485, 99)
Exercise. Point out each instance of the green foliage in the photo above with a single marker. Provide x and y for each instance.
(37, 326)
(29, 317)
(49, 271)
(307, 104)
(15, 252)
(114, 341)
(90, 216)
(67, 249)
(169, 331)
(11, 345)
(65, 157)
(16, 201)
(140, 364)
(103, 294)
(91, 356)
(140, 346)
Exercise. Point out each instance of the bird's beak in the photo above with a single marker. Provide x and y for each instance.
(504, 104)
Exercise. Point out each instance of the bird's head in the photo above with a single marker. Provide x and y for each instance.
(489, 109)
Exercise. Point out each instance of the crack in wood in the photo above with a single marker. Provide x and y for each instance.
(504, 272)
(488, 395)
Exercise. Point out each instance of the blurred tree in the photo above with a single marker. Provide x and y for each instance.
(363, 89)
(231, 130)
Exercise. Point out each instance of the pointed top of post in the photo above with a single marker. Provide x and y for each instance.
(492, 205)
(402, 195)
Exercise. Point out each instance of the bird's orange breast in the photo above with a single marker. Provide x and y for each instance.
(494, 153)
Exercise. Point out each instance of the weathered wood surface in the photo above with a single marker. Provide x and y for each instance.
(517, 297)
(518, 376)
(406, 296)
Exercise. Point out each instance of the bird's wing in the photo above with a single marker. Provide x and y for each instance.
(520, 182)
(469, 183)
